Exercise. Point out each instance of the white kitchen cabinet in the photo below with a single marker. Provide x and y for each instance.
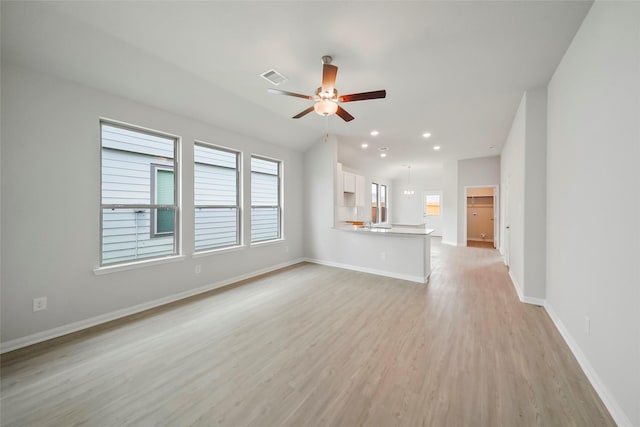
(360, 193)
(350, 191)
(349, 182)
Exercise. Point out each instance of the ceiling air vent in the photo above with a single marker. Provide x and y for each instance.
(273, 77)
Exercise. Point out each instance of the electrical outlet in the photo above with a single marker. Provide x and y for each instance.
(39, 304)
(587, 325)
(198, 269)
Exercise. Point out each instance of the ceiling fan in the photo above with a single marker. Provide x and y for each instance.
(326, 97)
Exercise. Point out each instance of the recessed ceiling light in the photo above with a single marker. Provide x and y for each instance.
(491, 147)
(426, 135)
(383, 154)
(374, 133)
(436, 147)
(364, 145)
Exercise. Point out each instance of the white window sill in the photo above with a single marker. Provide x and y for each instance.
(98, 271)
(210, 252)
(268, 242)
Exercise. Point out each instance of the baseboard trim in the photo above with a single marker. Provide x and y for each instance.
(533, 301)
(107, 317)
(410, 278)
(609, 401)
(521, 296)
(516, 286)
(450, 243)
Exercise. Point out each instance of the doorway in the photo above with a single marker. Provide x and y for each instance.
(480, 216)
(432, 211)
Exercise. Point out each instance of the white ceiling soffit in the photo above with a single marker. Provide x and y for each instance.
(456, 69)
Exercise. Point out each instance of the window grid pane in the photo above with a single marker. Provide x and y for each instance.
(374, 202)
(216, 198)
(265, 199)
(383, 203)
(264, 224)
(216, 228)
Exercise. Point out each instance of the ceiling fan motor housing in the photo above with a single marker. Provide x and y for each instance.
(327, 95)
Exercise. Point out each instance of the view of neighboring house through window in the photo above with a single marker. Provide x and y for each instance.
(216, 197)
(138, 198)
(266, 211)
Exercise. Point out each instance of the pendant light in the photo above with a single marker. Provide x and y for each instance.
(408, 191)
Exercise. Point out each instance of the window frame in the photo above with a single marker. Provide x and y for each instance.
(176, 251)
(279, 207)
(238, 205)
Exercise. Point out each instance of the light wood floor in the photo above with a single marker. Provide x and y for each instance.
(315, 345)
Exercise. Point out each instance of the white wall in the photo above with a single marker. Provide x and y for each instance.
(450, 202)
(51, 204)
(408, 208)
(535, 189)
(593, 154)
(484, 171)
(512, 196)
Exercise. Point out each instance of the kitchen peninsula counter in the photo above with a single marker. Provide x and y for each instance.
(402, 252)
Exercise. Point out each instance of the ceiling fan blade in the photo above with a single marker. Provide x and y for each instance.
(329, 73)
(344, 115)
(284, 92)
(303, 113)
(363, 96)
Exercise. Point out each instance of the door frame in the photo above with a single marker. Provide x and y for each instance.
(496, 213)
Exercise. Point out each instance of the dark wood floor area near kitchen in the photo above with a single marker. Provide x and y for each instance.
(315, 345)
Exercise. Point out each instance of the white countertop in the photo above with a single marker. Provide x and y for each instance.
(411, 231)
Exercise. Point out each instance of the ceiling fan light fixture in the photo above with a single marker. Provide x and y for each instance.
(325, 107)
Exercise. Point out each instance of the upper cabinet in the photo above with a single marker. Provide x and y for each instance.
(349, 188)
(349, 182)
(360, 199)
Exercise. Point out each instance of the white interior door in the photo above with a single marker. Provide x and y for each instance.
(432, 211)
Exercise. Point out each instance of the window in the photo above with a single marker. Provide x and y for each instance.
(139, 211)
(383, 203)
(265, 199)
(378, 203)
(432, 205)
(374, 202)
(216, 197)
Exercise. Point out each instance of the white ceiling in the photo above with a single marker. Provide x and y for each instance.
(456, 69)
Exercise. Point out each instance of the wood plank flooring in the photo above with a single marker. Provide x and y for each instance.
(316, 346)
